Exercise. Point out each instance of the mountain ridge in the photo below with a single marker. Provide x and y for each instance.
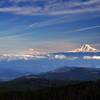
(73, 73)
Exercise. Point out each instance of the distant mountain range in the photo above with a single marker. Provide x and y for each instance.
(58, 77)
(30, 54)
(73, 73)
(65, 74)
(61, 74)
(33, 62)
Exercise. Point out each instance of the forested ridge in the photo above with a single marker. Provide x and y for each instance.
(81, 91)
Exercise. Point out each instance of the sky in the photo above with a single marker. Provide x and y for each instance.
(48, 25)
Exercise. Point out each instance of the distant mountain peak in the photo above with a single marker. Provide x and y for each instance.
(34, 52)
(85, 48)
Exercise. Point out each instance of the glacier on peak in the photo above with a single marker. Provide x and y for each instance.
(85, 48)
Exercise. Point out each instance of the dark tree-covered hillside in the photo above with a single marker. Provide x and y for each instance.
(80, 91)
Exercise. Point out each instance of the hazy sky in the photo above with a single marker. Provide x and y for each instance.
(49, 25)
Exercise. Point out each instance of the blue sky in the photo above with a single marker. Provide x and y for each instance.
(49, 25)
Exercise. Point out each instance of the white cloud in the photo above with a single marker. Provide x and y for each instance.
(21, 10)
(93, 57)
(52, 7)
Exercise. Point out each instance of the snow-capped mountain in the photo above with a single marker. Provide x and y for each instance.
(85, 48)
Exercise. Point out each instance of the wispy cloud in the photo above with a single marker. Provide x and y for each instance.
(85, 29)
(46, 7)
(48, 22)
